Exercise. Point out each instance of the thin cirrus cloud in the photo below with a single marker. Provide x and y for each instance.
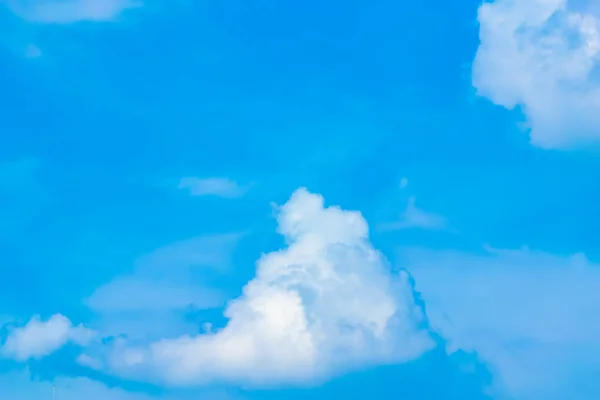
(70, 11)
(39, 338)
(219, 187)
(415, 218)
(327, 303)
(543, 57)
(23, 385)
(164, 283)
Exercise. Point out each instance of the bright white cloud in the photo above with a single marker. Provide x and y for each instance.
(532, 315)
(324, 304)
(70, 11)
(544, 56)
(40, 338)
(220, 187)
(414, 217)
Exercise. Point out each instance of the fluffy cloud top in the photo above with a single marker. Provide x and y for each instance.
(324, 304)
(40, 338)
(543, 55)
(70, 11)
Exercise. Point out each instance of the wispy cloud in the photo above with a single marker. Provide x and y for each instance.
(403, 183)
(220, 187)
(32, 52)
(415, 218)
(26, 386)
(531, 315)
(543, 56)
(162, 284)
(70, 11)
(39, 338)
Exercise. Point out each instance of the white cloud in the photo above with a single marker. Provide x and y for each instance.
(532, 315)
(543, 55)
(324, 304)
(40, 338)
(414, 217)
(70, 11)
(220, 187)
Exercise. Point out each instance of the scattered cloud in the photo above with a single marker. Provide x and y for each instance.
(326, 303)
(90, 362)
(70, 11)
(531, 315)
(415, 218)
(403, 183)
(39, 338)
(544, 57)
(220, 187)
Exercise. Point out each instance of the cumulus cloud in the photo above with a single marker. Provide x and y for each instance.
(543, 56)
(532, 316)
(40, 338)
(220, 187)
(414, 217)
(324, 304)
(70, 11)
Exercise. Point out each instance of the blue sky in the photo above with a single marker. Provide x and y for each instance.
(226, 200)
